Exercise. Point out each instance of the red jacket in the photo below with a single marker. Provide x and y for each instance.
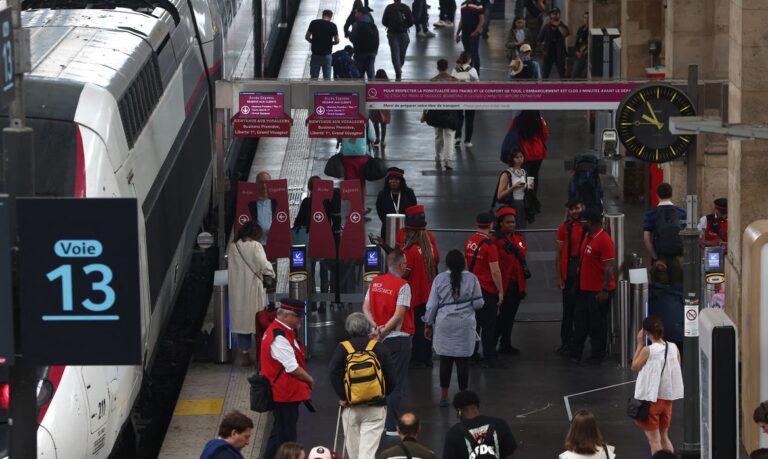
(511, 268)
(535, 148)
(285, 387)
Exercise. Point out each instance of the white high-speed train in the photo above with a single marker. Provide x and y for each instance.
(120, 99)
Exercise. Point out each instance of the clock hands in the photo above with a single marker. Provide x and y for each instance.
(652, 119)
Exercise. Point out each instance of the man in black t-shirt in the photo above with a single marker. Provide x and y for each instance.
(472, 432)
(322, 34)
(470, 28)
(552, 37)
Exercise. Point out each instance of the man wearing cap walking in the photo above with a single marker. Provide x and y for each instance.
(386, 305)
(283, 362)
(570, 234)
(482, 258)
(512, 250)
(552, 38)
(596, 286)
(715, 225)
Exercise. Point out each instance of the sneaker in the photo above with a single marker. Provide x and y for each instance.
(441, 23)
(429, 34)
(448, 23)
(392, 433)
(421, 34)
(468, 144)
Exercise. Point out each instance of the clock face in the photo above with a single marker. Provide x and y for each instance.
(643, 123)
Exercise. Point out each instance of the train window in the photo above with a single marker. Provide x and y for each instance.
(140, 99)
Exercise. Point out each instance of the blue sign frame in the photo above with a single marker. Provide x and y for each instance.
(79, 281)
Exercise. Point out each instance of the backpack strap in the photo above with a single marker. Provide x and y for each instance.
(370, 345)
(348, 346)
(405, 450)
(487, 240)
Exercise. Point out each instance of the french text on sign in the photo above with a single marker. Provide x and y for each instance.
(77, 248)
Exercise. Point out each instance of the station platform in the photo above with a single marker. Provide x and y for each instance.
(535, 391)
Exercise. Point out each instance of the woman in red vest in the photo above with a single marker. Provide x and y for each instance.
(512, 252)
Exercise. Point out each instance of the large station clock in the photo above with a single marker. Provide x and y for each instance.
(643, 122)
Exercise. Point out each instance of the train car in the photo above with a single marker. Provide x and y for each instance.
(120, 98)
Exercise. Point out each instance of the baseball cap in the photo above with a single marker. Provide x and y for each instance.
(525, 48)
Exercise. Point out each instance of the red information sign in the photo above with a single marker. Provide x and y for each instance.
(337, 105)
(336, 128)
(262, 105)
(352, 244)
(321, 242)
(262, 127)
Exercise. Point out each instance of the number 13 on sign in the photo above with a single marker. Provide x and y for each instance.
(64, 272)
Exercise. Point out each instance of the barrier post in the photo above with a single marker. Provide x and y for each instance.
(393, 225)
(638, 295)
(624, 330)
(298, 281)
(615, 227)
(220, 332)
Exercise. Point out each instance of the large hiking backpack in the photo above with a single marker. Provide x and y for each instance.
(363, 377)
(485, 449)
(666, 234)
(585, 184)
(367, 39)
(344, 66)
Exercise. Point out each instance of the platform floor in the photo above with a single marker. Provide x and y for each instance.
(536, 389)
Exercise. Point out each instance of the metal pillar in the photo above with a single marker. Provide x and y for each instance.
(614, 224)
(258, 40)
(638, 299)
(220, 331)
(625, 334)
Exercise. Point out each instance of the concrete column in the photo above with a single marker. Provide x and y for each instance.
(747, 169)
(642, 19)
(696, 32)
(574, 10)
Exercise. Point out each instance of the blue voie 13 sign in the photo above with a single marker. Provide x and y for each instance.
(79, 274)
(6, 49)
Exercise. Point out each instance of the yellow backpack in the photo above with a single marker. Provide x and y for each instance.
(363, 378)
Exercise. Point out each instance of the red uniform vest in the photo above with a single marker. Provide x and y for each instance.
(711, 235)
(382, 296)
(286, 388)
(511, 268)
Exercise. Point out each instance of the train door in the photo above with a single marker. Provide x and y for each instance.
(95, 383)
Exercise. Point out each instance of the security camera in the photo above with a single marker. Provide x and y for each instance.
(610, 143)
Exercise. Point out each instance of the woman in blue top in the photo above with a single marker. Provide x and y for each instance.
(450, 320)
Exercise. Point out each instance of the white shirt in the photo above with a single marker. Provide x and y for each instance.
(652, 384)
(598, 455)
(282, 351)
(467, 73)
(264, 207)
(404, 300)
(518, 176)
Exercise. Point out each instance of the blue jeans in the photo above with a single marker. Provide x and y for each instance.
(367, 63)
(398, 45)
(316, 61)
(472, 45)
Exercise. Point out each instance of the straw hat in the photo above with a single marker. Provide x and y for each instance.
(515, 66)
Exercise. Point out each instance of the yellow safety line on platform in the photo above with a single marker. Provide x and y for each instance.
(200, 407)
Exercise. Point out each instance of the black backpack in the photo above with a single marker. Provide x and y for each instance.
(367, 39)
(585, 184)
(484, 450)
(666, 234)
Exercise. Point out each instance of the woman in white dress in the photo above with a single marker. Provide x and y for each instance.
(248, 265)
(584, 440)
(660, 381)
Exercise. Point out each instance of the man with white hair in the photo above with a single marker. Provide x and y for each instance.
(363, 423)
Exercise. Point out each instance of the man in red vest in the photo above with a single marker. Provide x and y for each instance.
(715, 225)
(283, 362)
(387, 306)
(570, 234)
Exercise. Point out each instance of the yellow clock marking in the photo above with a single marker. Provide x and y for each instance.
(673, 150)
(630, 139)
(685, 139)
(630, 108)
(657, 154)
(685, 108)
(642, 97)
(641, 150)
(658, 95)
(674, 96)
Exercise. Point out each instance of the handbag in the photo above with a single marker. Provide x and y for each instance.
(334, 167)
(261, 392)
(639, 409)
(375, 169)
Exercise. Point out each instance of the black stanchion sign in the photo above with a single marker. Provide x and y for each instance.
(6, 300)
(79, 281)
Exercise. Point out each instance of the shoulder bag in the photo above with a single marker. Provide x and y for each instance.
(261, 392)
(639, 409)
(268, 281)
(510, 248)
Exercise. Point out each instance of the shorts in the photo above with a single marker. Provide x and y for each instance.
(659, 416)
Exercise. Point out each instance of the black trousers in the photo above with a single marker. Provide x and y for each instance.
(557, 59)
(569, 306)
(422, 347)
(448, 10)
(506, 319)
(591, 319)
(468, 117)
(286, 416)
(462, 370)
(486, 324)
